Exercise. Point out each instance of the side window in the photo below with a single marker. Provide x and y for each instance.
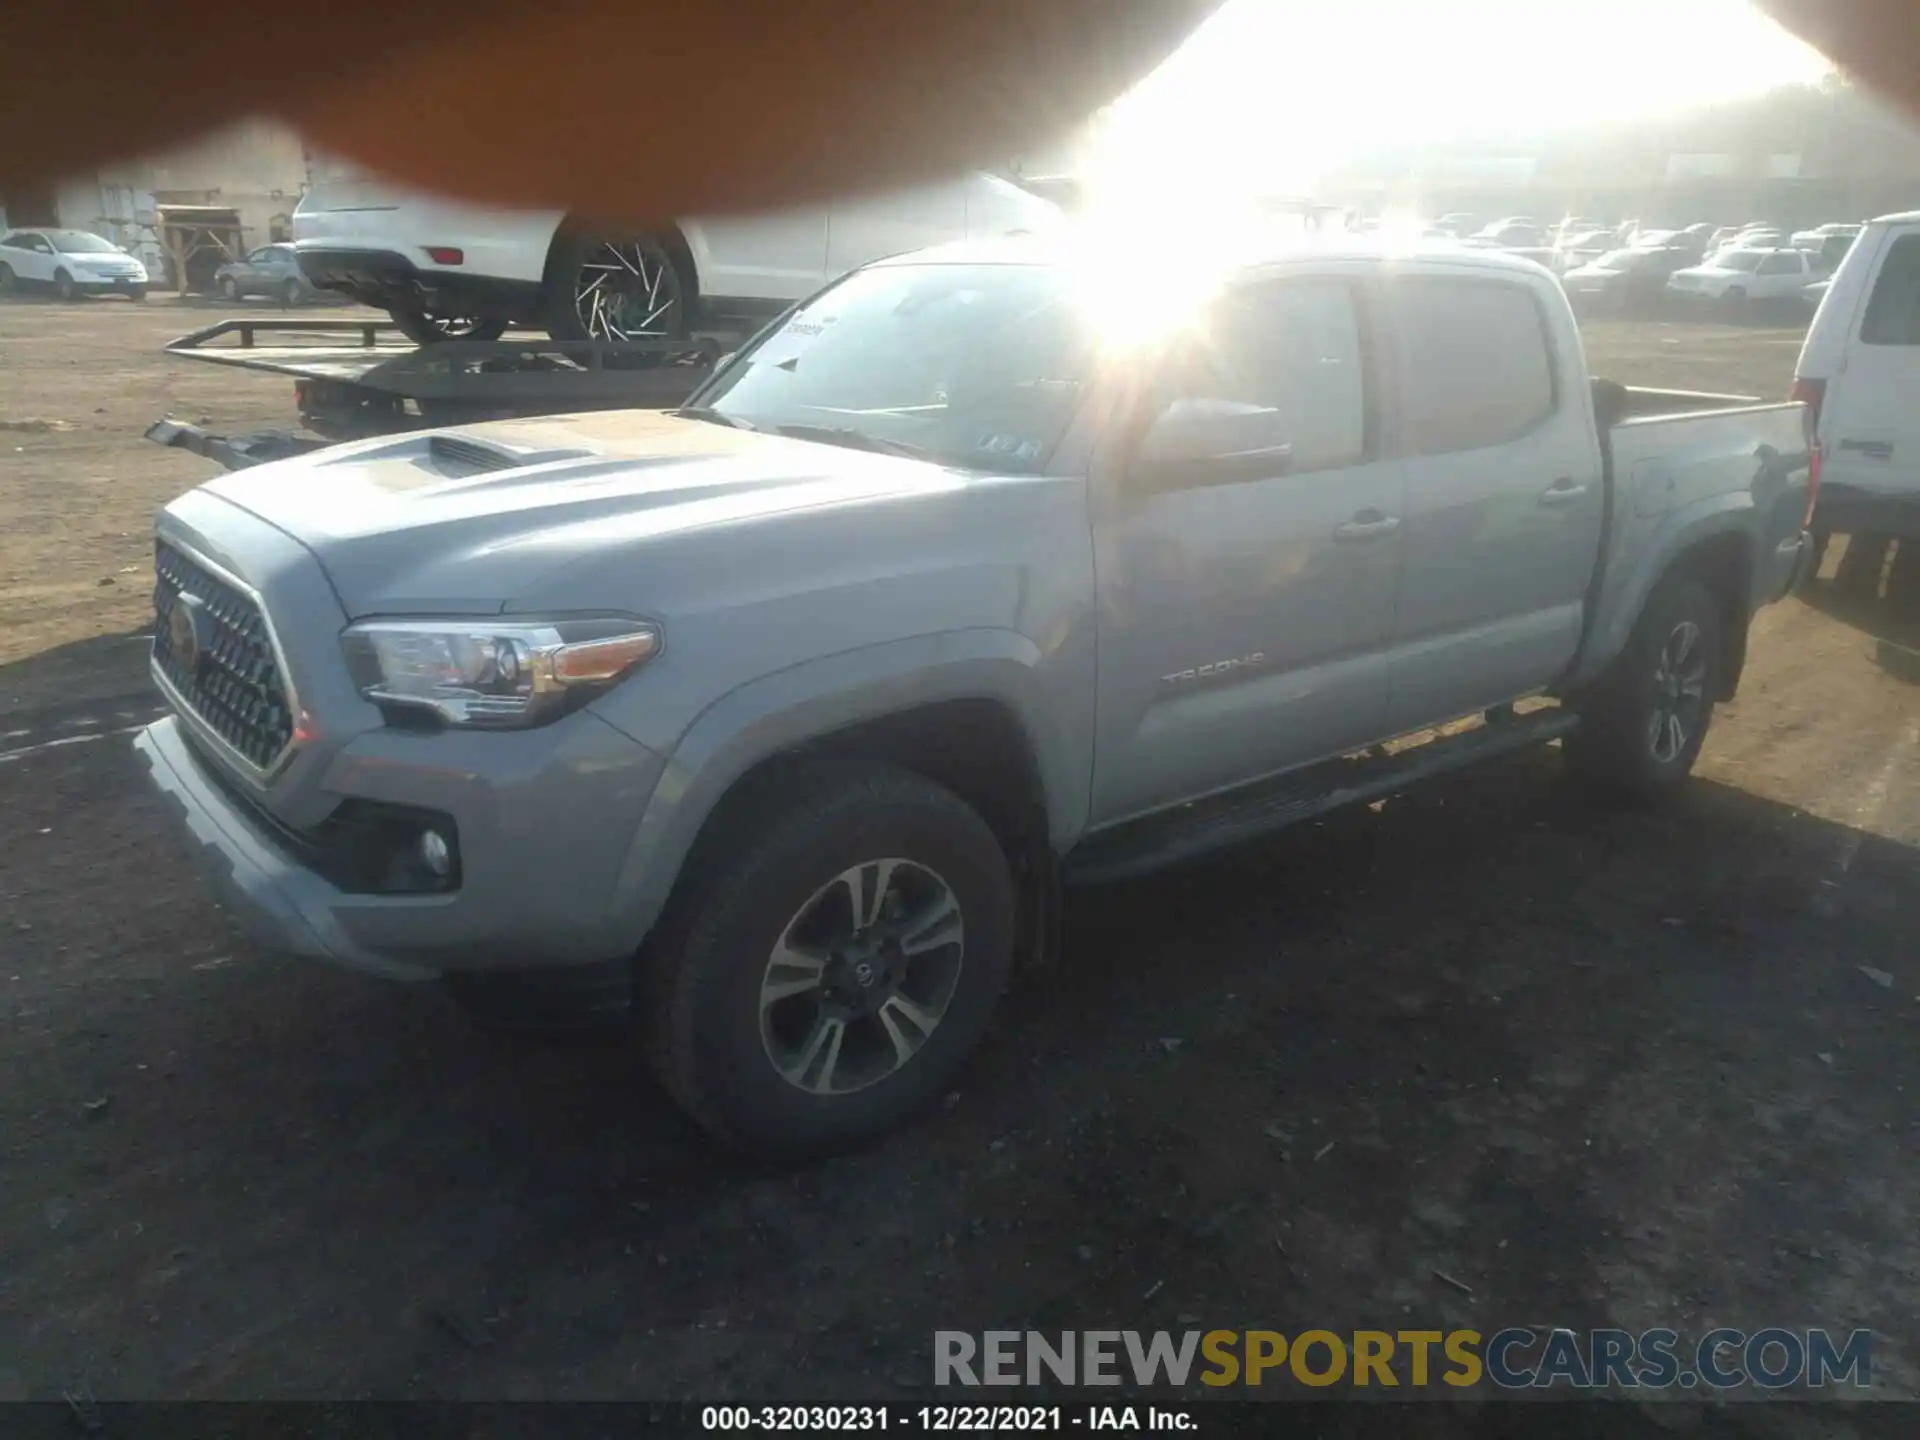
(262, 256)
(1291, 352)
(1475, 370)
(1780, 265)
(1893, 310)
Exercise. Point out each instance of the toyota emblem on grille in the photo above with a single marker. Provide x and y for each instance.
(183, 630)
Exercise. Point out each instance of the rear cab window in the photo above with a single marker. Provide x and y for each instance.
(1476, 367)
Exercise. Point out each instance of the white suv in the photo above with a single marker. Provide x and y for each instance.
(447, 270)
(1858, 373)
(1736, 276)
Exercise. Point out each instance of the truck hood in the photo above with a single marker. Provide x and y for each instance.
(467, 521)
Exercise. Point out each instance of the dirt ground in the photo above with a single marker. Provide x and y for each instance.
(1600, 1066)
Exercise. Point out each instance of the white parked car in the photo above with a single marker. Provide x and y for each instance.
(69, 263)
(1733, 277)
(1817, 238)
(446, 270)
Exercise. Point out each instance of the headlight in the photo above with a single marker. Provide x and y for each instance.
(505, 674)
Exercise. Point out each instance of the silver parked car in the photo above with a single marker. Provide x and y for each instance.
(271, 270)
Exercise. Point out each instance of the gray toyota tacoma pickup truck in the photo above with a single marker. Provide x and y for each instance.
(793, 710)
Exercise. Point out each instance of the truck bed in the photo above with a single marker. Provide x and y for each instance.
(1676, 461)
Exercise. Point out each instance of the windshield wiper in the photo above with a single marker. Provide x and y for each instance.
(852, 439)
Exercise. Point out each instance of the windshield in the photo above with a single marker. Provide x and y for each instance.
(1619, 259)
(980, 366)
(1739, 260)
(78, 242)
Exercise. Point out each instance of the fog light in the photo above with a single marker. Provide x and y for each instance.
(435, 855)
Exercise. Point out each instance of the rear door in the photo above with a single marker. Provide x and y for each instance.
(1244, 612)
(1781, 275)
(1870, 424)
(1504, 493)
(776, 256)
(32, 257)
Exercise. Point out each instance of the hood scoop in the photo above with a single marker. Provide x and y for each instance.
(457, 456)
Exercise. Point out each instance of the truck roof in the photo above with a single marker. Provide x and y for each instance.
(1254, 257)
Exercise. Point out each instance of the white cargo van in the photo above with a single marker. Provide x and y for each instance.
(1859, 374)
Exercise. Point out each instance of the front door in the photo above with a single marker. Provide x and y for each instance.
(1245, 608)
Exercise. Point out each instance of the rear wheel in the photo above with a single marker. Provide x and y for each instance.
(427, 328)
(616, 287)
(1644, 722)
(829, 967)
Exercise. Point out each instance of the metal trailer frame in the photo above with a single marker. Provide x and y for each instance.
(352, 381)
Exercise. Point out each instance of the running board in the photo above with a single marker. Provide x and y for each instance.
(1157, 841)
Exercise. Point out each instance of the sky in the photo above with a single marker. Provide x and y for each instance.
(1279, 89)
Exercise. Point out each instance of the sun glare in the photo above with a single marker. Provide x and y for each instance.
(1268, 95)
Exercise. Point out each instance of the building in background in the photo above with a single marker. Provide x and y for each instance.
(233, 189)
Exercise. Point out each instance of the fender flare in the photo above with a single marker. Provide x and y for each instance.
(1684, 530)
(779, 712)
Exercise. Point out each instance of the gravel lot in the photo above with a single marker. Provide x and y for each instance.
(1603, 1067)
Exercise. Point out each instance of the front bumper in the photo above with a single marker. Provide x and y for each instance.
(544, 819)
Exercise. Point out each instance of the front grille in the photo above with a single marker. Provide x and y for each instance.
(211, 642)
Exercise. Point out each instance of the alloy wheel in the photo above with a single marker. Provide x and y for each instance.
(626, 290)
(861, 976)
(1679, 692)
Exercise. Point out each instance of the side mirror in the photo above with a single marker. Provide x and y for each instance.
(1212, 442)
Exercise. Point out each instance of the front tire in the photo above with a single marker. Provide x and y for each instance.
(831, 963)
(9, 282)
(615, 287)
(63, 285)
(1644, 722)
(291, 293)
(428, 329)
(229, 290)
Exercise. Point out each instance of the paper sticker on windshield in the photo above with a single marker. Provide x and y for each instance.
(792, 340)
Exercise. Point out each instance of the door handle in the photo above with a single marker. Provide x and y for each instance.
(1562, 492)
(1367, 525)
